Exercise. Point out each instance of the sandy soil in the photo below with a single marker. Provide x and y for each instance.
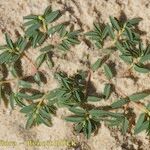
(81, 13)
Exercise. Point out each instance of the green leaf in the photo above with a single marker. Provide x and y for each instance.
(127, 59)
(42, 38)
(73, 41)
(74, 119)
(30, 17)
(13, 58)
(49, 61)
(47, 48)
(145, 58)
(9, 41)
(96, 35)
(52, 95)
(95, 112)
(14, 71)
(102, 113)
(40, 60)
(129, 33)
(139, 96)
(110, 31)
(37, 78)
(77, 94)
(125, 125)
(147, 50)
(119, 103)
(91, 34)
(114, 122)
(18, 100)
(31, 22)
(89, 129)
(73, 34)
(97, 28)
(97, 64)
(78, 111)
(54, 29)
(139, 123)
(48, 10)
(107, 90)
(144, 126)
(79, 127)
(108, 72)
(5, 57)
(63, 46)
(24, 84)
(105, 32)
(134, 21)
(23, 44)
(45, 121)
(98, 44)
(32, 28)
(63, 32)
(94, 98)
(52, 16)
(120, 47)
(30, 97)
(37, 38)
(27, 109)
(114, 23)
(44, 114)
(141, 68)
(12, 100)
(30, 122)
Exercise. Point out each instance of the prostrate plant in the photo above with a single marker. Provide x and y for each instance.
(73, 91)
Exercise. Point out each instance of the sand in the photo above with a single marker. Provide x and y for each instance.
(82, 14)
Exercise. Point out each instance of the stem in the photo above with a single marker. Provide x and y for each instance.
(140, 106)
(88, 82)
(12, 80)
(118, 36)
(30, 60)
(121, 32)
(40, 102)
(44, 25)
(7, 81)
(128, 70)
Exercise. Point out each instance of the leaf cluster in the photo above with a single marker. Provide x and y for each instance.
(12, 51)
(125, 39)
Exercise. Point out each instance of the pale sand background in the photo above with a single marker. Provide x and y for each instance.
(81, 13)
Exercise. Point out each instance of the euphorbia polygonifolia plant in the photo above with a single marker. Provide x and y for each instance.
(73, 91)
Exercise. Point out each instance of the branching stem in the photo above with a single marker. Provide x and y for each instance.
(88, 82)
(119, 34)
(30, 60)
(139, 106)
